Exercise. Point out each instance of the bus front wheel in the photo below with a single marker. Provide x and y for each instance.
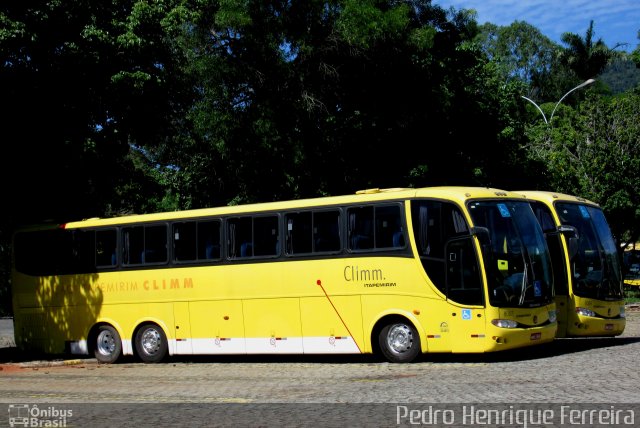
(151, 343)
(108, 346)
(399, 342)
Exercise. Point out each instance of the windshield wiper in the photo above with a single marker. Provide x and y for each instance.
(525, 277)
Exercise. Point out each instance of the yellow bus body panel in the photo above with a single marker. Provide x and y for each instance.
(606, 323)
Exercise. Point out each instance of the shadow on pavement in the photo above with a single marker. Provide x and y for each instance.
(548, 350)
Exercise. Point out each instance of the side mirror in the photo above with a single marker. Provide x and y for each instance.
(568, 231)
(571, 235)
(482, 233)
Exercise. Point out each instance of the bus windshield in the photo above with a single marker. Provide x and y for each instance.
(517, 259)
(595, 266)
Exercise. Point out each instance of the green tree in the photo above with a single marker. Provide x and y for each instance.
(86, 87)
(306, 98)
(594, 151)
(523, 53)
(635, 55)
(86, 83)
(585, 56)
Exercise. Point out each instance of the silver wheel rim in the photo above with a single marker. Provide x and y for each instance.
(399, 338)
(106, 343)
(151, 341)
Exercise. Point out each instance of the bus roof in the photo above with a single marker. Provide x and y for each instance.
(459, 194)
(550, 197)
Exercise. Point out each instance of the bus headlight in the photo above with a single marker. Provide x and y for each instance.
(585, 312)
(504, 323)
(552, 316)
(622, 313)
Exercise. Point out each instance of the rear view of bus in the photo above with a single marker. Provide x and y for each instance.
(587, 271)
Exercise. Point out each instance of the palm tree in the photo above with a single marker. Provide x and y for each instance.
(585, 57)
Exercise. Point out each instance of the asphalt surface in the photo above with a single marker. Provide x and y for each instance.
(568, 375)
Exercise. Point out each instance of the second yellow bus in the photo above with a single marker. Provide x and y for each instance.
(587, 271)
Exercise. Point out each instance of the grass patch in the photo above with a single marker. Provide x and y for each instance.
(631, 294)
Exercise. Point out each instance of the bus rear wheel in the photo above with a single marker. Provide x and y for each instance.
(151, 343)
(108, 346)
(399, 342)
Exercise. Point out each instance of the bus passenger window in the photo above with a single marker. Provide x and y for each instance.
(155, 244)
(133, 245)
(144, 244)
(184, 241)
(435, 223)
(266, 236)
(240, 237)
(209, 240)
(298, 233)
(389, 232)
(106, 247)
(326, 231)
(361, 228)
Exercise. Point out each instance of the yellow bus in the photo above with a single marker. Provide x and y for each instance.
(587, 270)
(631, 263)
(394, 272)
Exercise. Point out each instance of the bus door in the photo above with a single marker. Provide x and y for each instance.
(465, 295)
(559, 259)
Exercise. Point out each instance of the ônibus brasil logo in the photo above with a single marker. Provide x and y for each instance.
(31, 415)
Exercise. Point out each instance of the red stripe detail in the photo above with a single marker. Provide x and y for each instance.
(339, 316)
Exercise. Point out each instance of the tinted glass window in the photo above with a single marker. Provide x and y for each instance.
(196, 240)
(375, 227)
(144, 244)
(253, 236)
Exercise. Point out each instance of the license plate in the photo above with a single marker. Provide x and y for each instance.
(608, 326)
(536, 336)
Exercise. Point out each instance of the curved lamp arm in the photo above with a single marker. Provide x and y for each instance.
(583, 84)
(538, 107)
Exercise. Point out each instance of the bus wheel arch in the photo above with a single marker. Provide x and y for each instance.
(150, 342)
(396, 339)
(105, 343)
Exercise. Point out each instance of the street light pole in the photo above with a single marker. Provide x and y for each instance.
(583, 84)
(538, 107)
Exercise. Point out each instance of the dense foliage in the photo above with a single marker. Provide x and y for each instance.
(118, 106)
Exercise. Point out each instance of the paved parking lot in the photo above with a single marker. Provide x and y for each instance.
(594, 370)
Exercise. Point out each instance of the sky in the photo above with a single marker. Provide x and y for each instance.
(614, 21)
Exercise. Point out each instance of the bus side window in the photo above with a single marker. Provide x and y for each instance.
(436, 223)
(389, 233)
(298, 233)
(184, 241)
(106, 248)
(266, 236)
(464, 284)
(209, 240)
(240, 232)
(132, 245)
(361, 228)
(326, 231)
(144, 244)
(155, 244)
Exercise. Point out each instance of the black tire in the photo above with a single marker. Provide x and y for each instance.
(151, 343)
(107, 345)
(399, 342)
